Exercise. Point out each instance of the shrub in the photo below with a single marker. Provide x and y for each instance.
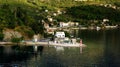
(1, 36)
(16, 40)
(25, 30)
(117, 4)
(29, 33)
(67, 34)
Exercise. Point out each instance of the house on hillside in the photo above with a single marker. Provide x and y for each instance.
(73, 23)
(46, 25)
(68, 24)
(60, 38)
(51, 30)
(105, 20)
(60, 34)
(63, 24)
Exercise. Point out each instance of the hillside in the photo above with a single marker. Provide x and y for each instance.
(28, 16)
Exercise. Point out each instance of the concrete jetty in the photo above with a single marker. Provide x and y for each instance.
(50, 43)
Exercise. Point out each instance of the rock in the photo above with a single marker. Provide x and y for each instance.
(9, 34)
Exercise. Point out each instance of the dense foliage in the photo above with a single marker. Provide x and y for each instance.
(15, 16)
(93, 12)
(1, 36)
(15, 40)
(26, 15)
(117, 4)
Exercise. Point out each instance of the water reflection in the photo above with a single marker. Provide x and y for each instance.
(81, 48)
(40, 49)
(58, 48)
(102, 50)
(7, 49)
(18, 55)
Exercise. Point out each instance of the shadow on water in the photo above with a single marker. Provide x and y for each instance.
(13, 54)
(1, 49)
(10, 55)
(40, 50)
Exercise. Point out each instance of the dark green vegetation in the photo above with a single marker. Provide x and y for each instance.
(117, 4)
(11, 17)
(16, 40)
(26, 15)
(92, 12)
(21, 17)
(1, 36)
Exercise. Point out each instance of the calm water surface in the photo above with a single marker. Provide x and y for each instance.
(102, 50)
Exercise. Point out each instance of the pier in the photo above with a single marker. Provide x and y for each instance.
(49, 43)
(35, 45)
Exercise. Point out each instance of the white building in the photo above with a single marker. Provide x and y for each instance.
(68, 24)
(62, 24)
(50, 19)
(105, 20)
(60, 34)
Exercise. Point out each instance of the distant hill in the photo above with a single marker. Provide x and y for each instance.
(58, 3)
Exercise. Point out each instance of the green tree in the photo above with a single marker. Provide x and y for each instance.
(25, 30)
